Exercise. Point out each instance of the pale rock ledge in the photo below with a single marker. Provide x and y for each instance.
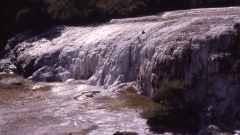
(192, 45)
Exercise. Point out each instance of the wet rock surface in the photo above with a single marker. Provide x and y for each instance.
(57, 112)
(197, 46)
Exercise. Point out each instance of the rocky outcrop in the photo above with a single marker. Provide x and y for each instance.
(193, 45)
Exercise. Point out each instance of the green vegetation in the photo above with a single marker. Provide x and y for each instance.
(174, 110)
(127, 98)
(171, 93)
(19, 15)
(133, 100)
(170, 108)
(6, 76)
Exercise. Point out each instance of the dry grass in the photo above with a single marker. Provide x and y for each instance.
(127, 98)
(134, 100)
(11, 92)
(44, 88)
(110, 103)
(5, 76)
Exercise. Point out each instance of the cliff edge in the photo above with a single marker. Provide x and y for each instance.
(198, 46)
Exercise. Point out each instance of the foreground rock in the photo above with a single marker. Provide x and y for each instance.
(54, 111)
(194, 45)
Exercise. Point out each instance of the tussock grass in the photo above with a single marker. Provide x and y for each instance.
(14, 91)
(11, 92)
(135, 101)
(5, 76)
(127, 98)
(169, 108)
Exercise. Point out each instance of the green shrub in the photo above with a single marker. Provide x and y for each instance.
(63, 11)
(156, 112)
(172, 93)
(76, 12)
(173, 109)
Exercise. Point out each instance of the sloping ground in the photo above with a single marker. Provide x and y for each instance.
(193, 45)
(63, 108)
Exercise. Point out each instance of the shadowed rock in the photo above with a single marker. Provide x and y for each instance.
(191, 45)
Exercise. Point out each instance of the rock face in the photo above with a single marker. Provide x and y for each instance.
(193, 45)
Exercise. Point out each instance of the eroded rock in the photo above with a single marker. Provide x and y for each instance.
(192, 45)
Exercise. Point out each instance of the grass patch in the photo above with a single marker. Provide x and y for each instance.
(170, 108)
(127, 98)
(15, 88)
(110, 103)
(5, 76)
(135, 101)
(11, 91)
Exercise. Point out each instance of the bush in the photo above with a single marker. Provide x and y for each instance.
(121, 8)
(172, 93)
(64, 11)
(136, 101)
(173, 110)
(155, 113)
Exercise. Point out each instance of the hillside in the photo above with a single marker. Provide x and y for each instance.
(198, 46)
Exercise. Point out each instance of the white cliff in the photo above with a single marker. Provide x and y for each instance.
(192, 45)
